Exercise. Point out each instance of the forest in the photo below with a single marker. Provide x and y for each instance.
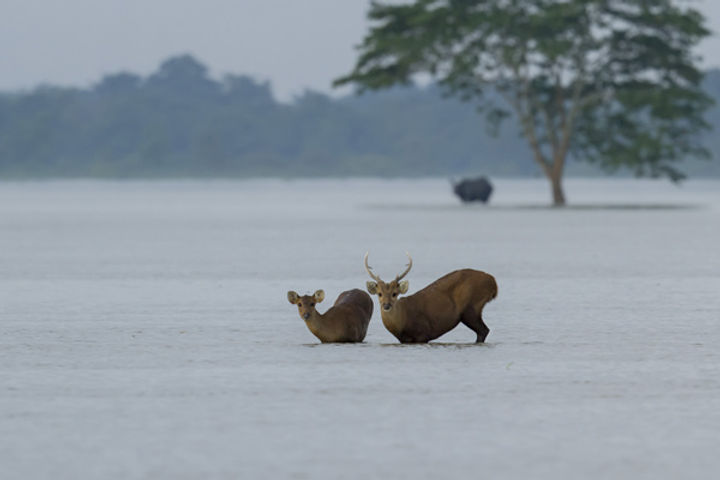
(180, 122)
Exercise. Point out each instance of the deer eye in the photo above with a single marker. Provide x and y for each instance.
(394, 294)
(299, 304)
(312, 304)
(379, 294)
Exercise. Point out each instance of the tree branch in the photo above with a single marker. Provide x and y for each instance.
(526, 121)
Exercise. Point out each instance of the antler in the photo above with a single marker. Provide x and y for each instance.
(409, 266)
(369, 270)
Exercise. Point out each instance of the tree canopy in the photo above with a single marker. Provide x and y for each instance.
(127, 125)
(612, 82)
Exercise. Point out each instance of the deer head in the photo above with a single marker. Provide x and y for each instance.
(306, 303)
(387, 292)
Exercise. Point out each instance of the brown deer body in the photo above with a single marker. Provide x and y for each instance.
(458, 297)
(346, 321)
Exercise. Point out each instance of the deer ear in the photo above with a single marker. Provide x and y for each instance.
(319, 296)
(371, 287)
(403, 286)
(293, 297)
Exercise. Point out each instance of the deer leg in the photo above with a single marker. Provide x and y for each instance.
(483, 330)
(474, 321)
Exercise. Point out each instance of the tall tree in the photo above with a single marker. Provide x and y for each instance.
(613, 82)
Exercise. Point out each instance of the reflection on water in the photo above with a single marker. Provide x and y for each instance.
(430, 345)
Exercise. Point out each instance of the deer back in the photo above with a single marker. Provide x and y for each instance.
(347, 320)
(438, 308)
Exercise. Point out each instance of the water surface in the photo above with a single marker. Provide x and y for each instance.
(145, 332)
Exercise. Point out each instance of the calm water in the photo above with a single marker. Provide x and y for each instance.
(145, 332)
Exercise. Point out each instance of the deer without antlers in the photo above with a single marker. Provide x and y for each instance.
(457, 297)
(346, 321)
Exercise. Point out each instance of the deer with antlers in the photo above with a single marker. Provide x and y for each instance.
(458, 297)
(346, 321)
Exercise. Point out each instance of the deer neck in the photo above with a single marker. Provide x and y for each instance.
(315, 322)
(396, 318)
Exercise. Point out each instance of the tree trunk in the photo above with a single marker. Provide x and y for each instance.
(557, 188)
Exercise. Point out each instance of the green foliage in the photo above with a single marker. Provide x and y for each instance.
(609, 81)
(180, 122)
(129, 126)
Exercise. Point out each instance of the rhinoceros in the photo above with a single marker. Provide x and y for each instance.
(473, 189)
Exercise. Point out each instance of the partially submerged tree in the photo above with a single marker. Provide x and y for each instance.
(613, 82)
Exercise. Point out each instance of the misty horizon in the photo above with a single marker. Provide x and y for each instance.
(76, 43)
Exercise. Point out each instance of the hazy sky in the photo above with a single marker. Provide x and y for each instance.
(296, 44)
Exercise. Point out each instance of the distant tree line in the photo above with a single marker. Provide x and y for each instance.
(179, 122)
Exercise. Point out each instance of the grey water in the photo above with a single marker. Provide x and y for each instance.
(145, 331)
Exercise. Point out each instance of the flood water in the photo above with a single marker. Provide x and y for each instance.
(145, 332)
